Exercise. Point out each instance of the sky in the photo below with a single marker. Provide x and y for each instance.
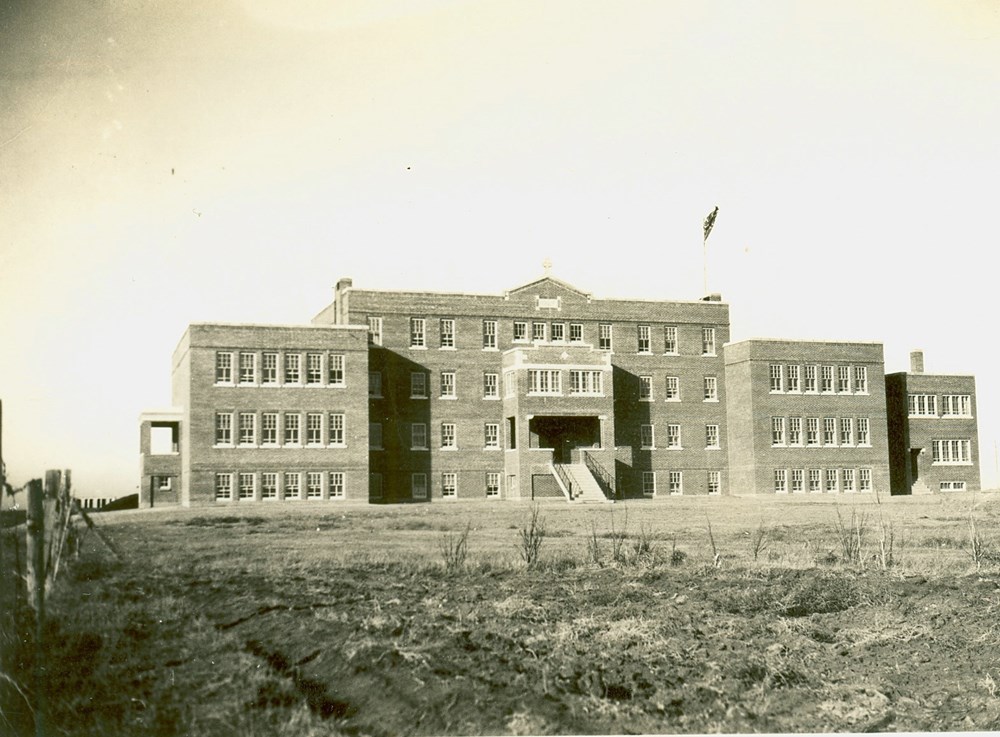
(230, 160)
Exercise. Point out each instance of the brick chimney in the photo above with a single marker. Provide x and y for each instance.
(916, 362)
(341, 301)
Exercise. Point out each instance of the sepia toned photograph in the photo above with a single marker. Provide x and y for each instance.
(465, 367)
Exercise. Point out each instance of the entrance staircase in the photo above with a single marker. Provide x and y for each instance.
(578, 483)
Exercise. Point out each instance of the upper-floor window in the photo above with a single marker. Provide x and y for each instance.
(314, 428)
(673, 393)
(293, 365)
(777, 382)
(863, 432)
(447, 333)
(670, 339)
(448, 435)
(223, 367)
(645, 388)
(777, 431)
(418, 385)
(538, 332)
(812, 431)
(645, 343)
(269, 368)
(711, 389)
(951, 452)
(708, 341)
(336, 431)
(586, 382)
(248, 368)
(510, 384)
(846, 431)
(575, 332)
(792, 375)
(520, 331)
(795, 431)
(336, 364)
(292, 428)
(711, 436)
(647, 438)
(922, 405)
(269, 428)
(223, 428)
(491, 385)
(418, 436)
(829, 431)
(375, 435)
(673, 436)
(860, 379)
(375, 330)
(557, 331)
(826, 379)
(448, 384)
(843, 379)
(810, 379)
(489, 334)
(248, 428)
(956, 405)
(314, 368)
(418, 332)
(544, 381)
(375, 384)
(491, 435)
(604, 337)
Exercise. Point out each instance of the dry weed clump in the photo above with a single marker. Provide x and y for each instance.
(530, 538)
(455, 549)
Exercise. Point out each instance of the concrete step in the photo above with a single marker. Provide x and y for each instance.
(585, 486)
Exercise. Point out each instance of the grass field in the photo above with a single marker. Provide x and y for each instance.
(676, 615)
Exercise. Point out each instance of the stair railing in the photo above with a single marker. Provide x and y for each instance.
(564, 477)
(605, 479)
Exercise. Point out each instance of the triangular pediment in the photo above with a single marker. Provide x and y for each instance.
(547, 287)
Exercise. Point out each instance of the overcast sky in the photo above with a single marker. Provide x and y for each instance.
(164, 163)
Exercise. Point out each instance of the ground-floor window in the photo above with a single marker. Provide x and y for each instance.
(224, 486)
(268, 485)
(649, 483)
(676, 482)
(449, 486)
(952, 486)
(293, 485)
(375, 485)
(815, 480)
(418, 486)
(865, 479)
(847, 477)
(247, 485)
(336, 480)
(831, 480)
(780, 481)
(492, 485)
(797, 481)
(714, 482)
(314, 485)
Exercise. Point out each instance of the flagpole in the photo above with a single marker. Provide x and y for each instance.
(706, 229)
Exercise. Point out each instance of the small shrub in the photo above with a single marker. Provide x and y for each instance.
(618, 538)
(978, 548)
(677, 556)
(716, 555)
(530, 539)
(595, 554)
(455, 549)
(760, 539)
(642, 546)
(851, 535)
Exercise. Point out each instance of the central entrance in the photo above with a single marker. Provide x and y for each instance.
(564, 434)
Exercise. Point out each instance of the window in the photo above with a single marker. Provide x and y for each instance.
(777, 431)
(831, 480)
(863, 436)
(644, 341)
(520, 331)
(793, 378)
(956, 405)
(269, 368)
(714, 483)
(337, 436)
(447, 333)
(418, 436)
(797, 481)
(314, 428)
(510, 384)
(492, 485)
(711, 389)
(673, 389)
(293, 364)
(336, 361)
(810, 379)
(860, 379)
(843, 379)
(676, 483)
(649, 483)
(829, 431)
(604, 337)
(586, 382)
(645, 388)
(314, 485)
(954, 452)
(223, 368)
(418, 332)
(314, 368)
(223, 428)
(449, 486)
(248, 428)
(223, 486)
(375, 435)
(489, 334)
(812, 431)
(268, 485)
(846, 431)
(293, 486)
(711, 436)
(864, 479)
(544, 381)
(708, 341)
(375, 485)
(826, 379)
(247, 485)
(375, 330)
(795, 431)
(163, 483)
(491, 435)
(815, 480)
(418, 485)
(336, 479)
(847, 477)
(418, 385)
(558, 332)
(780, 481)
(248, 368)
(777, 383)
(922, 405)
(575, 332)
(375, 384)
(292, 423)
(670, 339)
(646, 439)
(491, 386)
(448, 435)
(673, 436)
(448, 384)
(538, 332)
(952, 486)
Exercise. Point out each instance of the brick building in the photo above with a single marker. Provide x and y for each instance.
(540, 391)
(933, 433)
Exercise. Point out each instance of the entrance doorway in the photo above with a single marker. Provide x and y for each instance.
(564, 435)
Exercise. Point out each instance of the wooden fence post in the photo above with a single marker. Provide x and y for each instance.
(36, 590)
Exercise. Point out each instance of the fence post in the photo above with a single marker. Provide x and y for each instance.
(35, 538)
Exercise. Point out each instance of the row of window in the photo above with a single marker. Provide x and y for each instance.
(448, 385)
(448, 437)
(795, 379)
(952, 405)
(675, 482)
(537, 331)
(952, 452)
(818, 480)
(274, 429)
(647, 437)
(672, 389)
(287, 485)
(821, 431)
(277, 368)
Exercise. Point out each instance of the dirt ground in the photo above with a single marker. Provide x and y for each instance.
(347, 622)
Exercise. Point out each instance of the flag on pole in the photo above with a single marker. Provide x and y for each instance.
(710, 221)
